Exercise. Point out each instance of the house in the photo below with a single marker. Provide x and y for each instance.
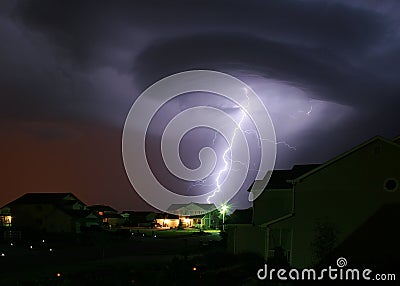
(168, 220)
(317, 210)
(5, 217)
(109, 216)
(49, 212)
(196, 214)
(139, 218)
(240, 217)
(275, 202)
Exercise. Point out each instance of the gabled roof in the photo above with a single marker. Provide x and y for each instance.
(46, 198)
(343, 155)
(138, 212)
(78, 213)
(102, 208)
(279, 178)
(167, 216)
(111, 215)
(194, 206)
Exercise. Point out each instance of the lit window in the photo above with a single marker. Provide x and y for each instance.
(7, 219)
(101, 213)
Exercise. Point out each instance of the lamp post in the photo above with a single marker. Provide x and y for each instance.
(224, 209)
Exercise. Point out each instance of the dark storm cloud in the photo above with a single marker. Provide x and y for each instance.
(88, 60)
(317, 44)
(76, 22)
(310, 67)
(337, 51)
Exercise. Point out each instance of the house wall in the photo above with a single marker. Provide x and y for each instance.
(114, 222)
(345, 193)
(172, 223)
(271, 205)
(41, 217)
(246, 239)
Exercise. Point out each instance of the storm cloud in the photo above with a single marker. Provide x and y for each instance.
(328, 71)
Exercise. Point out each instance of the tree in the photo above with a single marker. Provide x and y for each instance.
(325, 239)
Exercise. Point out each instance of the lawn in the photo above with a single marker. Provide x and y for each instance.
(171, 233)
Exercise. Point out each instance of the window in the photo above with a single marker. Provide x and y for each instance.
(7, 219)
(391, 185)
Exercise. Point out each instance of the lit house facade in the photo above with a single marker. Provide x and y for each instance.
(192, 215)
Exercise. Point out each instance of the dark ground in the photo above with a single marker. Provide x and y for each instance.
(119, 259)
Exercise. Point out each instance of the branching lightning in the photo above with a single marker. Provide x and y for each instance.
(225, 156)
(279, 142)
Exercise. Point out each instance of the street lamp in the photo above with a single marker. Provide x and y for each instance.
(223, 210)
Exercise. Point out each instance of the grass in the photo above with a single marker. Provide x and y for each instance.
(171, 233)
(145, 256)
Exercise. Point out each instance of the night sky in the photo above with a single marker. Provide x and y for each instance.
(328, 72)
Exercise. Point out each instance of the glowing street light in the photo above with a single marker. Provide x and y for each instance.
(223, 210)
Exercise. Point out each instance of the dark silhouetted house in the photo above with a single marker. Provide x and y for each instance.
(139, 218)
(275, 202)
(311, 211)
(109, 216)
(5, 217)
(196, 214)
(49, 212)
(377, 236)
(240, 217)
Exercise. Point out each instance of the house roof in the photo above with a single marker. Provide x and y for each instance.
(279, 178)
(195, 206)
(43, 198)
(137, 212)
(240, 217)
(111, 215)
(343, 155)
(102, 208)
(167, 216)
(78, 213)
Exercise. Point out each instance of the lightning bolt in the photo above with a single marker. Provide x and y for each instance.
(286, 144)
(309, 111)
(302, 111)
(228, 150)
(226, 155)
